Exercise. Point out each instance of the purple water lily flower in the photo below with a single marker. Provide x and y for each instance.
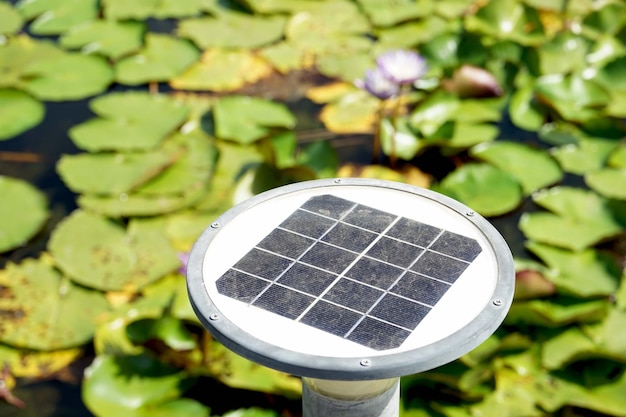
(377, 84)
(184, 258)
(401, 66)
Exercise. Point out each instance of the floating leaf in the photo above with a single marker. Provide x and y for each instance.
(162, 58)
(10, 20)
(354, 112)
(35, 364)
(533, 168)
(43, 310)
(22, 212)
(106, 37)
(232, 30)
(398, 141)
(465, 135)
(588, 155)
(524, 111)
(137, 386)
(564, 53)
(251, 412)
(56, 16)
(574, 97)
(556, 313)
(344, 67)
(574, 270)
(283, 56)
(98, 253)
(486, 189)
(129, 121)
(390, 12)
(18, 54)
(68, 77)
(433, 112)
(247, 119)
(612, 76)
(479, 110)
(566, 347)
(109, 173)
(222, 70)
(608, 336)
(160, 9)
(18, 112)
(617, 158)
(607, 18)
(413, 33)
(608, 182)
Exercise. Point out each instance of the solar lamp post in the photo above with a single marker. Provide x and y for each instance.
(351, 284)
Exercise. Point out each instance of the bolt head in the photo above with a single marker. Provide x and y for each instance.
(365, 362)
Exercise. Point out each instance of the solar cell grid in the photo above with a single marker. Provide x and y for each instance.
(350, 270)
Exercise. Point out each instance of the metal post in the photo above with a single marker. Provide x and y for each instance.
(326, 398)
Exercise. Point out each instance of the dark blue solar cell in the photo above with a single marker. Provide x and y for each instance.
(307, 224)
(421, 288)
(286, 243)
(394, 252)
(369, 218)
(283, 301)
(240, 286)
(306, 278)
(353, 295)
(378, 335)
(263, 264)
(331, 318)
(400, 311)
(328, 205)
(372, 272)
(414, 232)
(461, 247)
(349, 237)
(328, 257)
(439, 266)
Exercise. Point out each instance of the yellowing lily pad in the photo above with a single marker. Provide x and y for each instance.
(18, 113)
(162, 58)
(222, 70)
(354, 112)
(53, 17)
(99, 253)
(232, 30)
(43, 310)
(105, 37)
(129, 121)
(23, 211)
(10, 20)
(36, 364)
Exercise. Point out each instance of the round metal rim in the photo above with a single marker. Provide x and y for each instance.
(358, 368)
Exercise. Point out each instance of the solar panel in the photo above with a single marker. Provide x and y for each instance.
(350, 270)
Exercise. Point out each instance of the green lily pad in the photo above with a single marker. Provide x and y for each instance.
(533, 168)
(283, 56)
(53, 17)
(43, 310)
(68, 77)
(433, 112)
(390, 12)
(23, 211)
(607, 18)
(556, 313)
(137, 386)
(10, 20)
(143, 9)
(413, 33)
(608, 336)
(479, 110)
(222, 70)
(465, 135)
(524, 110)
(247, 119)
(442, 50)
(398, 141)
(18, 113)
(486, 189)
(20, 52)
(283, 6)
(612, 75)
(574, 270)
(566, 347)
(162, 58)
(105, 37)
(232, 30)
(617, 158)
(129, 121)
(609, 182)
(99, 253)
(574, 97)
(564, 53)
(354, 112)
(604, 50)
(110, 173)
(588, 155)
(345, 67)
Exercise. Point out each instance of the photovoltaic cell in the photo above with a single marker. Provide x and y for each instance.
(351, 270)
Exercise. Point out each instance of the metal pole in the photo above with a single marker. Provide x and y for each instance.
(325, 398)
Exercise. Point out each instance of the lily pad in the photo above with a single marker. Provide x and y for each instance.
(565, 347)
(162, 58)
(617, 158)
(556, 313)
(533, 168)
(68, 77)
(524, 109)
(589, 154)
(398, 141)
(143, 9)
(129, 121)
(53, 17)
(18, 113)
(222, 70)
(105, 37)
(486, 189)
(18, 54)
(232, 30)
(413, 33)
(137, 386)
(390, 12)
(564, 53)
(42, 310)
(574, 270)
(37, 364)
(247, 119)
(344, 67)
(23, 212)
(355, 112)
(284, 56)
(608, 182)
(433, 112)
(10, 20)
(110, 173)
(101, 254)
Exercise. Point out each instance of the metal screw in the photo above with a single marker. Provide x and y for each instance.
(337, 180)
(214, 317)
(497, 302)
(469, 213)
(215, 225)
(365, 362)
